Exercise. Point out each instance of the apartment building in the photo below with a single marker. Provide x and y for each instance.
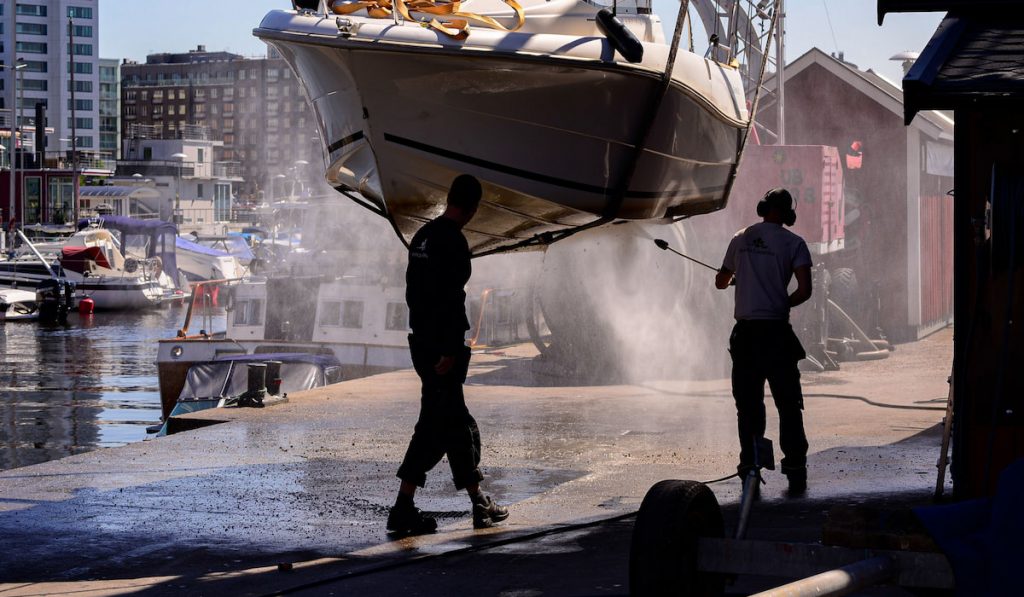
(58, 41)
(110, 107)
(254, 105)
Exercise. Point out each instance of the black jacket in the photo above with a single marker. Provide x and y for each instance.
(435, 281)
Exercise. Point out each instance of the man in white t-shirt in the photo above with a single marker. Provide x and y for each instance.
(761, 261)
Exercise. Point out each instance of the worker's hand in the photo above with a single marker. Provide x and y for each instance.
(444, 365)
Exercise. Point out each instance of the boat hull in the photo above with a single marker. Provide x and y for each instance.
(124, 293)
(552, 136)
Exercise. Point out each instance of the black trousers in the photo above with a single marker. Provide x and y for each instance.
(768, 350)
(445, 425)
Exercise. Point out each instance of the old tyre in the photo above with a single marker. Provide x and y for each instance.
(663, 556)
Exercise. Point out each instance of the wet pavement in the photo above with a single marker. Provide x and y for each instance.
(308, 483)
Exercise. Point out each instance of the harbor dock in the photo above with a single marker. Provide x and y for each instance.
(293, 498)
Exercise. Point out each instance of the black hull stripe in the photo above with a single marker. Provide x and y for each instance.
(80, 286)
(346, 141)
(551, 180)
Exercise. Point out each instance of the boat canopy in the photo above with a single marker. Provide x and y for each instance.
(157, 236)
(77, 259)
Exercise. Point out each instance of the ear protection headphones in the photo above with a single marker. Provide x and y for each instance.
(780, 199)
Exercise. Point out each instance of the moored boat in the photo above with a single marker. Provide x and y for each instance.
(18, 305)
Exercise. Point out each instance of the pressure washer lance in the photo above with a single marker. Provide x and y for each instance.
(663, 245)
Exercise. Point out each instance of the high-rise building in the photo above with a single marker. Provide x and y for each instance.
(110, 107)
(254, 105)
(50, 36)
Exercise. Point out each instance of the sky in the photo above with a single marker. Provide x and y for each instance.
(133, 29)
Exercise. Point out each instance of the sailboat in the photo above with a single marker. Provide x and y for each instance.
(570, 114)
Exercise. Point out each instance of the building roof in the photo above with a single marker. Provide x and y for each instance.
(872, 84)
(973, 56)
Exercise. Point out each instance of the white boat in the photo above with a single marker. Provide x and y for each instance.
(18, 305)
(126, 272)
(330, 297)
(564, 132)
(199, 262)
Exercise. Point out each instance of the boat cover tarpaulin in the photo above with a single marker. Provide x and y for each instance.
(982, 538)
(187, 245)
(229, 375)
(77, 259)
(157, 235)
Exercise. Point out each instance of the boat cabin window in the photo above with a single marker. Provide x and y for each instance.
(352, 314)
(345, 314)
(249, 312)
(397, 317)
(330, 313)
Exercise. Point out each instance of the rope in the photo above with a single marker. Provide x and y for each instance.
(454, 23)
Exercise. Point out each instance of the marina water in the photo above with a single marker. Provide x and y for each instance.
(87, 385)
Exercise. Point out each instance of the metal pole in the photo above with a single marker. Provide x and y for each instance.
(780, 67)
(14, 101)
(841, 581)
(74, 127)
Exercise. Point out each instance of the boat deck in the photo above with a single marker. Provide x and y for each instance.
(307, 483)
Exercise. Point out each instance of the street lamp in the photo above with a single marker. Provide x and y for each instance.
(14, 68)
(180, 157)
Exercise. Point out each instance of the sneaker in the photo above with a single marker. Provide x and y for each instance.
(487, 513)
(409, 520)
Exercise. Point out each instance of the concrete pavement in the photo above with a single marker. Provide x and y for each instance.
(308, 483)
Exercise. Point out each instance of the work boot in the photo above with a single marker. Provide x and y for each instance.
(407, 519)
(797, 483)
(487, 513)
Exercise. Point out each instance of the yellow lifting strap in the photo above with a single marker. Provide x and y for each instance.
(454, 25)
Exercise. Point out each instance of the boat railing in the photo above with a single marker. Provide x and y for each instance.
(202, 291)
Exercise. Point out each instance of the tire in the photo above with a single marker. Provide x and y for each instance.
(844, 288)
(663, 553)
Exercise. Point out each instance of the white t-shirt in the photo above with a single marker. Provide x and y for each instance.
(763, 257)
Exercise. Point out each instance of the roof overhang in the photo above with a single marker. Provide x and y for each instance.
(973, 58)
(887, 6)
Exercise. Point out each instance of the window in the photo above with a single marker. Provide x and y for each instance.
(158, 95)
(229, 94)
(31, 47)
(82, 49)
(31, 29)
(82, 86)
(214, 92)
(199, 186)
(80, 12)
(35, 66)
(199, 158)
(170, 109)
(397, 317)
(81, 123)
(34, 84)
(229, 123)
(330, 313)
(82, 31)
(31, 10)
(181, 94)
(249, 312)
(352, 314)
(86, 142)
(84, 105)
(81, 68)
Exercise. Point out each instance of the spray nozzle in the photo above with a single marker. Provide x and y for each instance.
(663, 245)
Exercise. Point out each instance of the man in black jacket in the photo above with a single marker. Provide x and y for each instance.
(439, 268)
